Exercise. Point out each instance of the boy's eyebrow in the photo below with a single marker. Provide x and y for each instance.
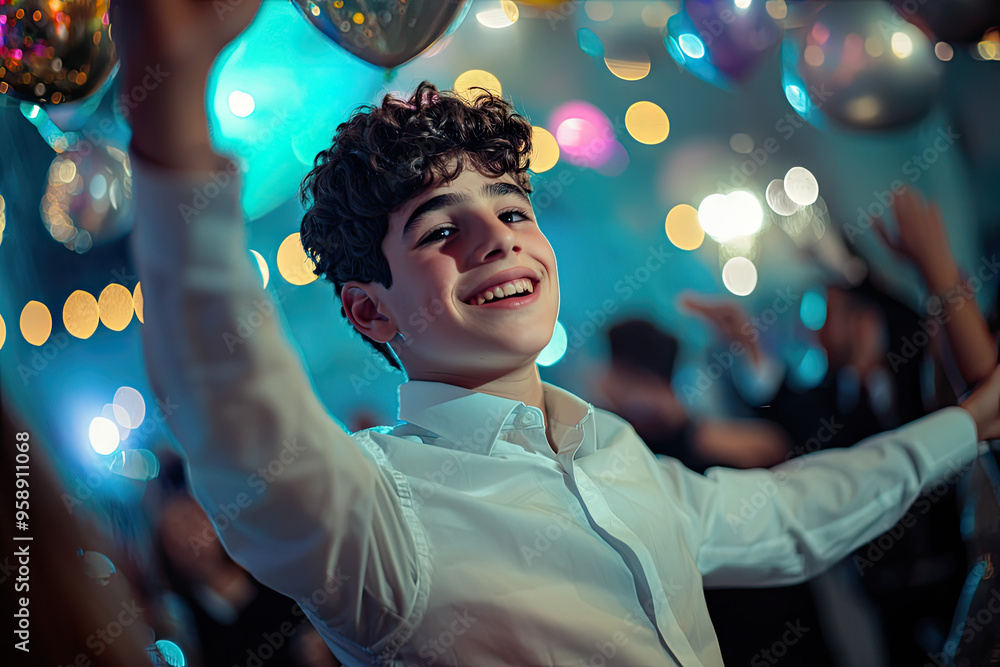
(489, 191)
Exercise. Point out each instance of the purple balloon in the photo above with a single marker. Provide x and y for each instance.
(736, 38)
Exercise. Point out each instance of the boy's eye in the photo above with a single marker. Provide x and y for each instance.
(437, 235)
(512, 212)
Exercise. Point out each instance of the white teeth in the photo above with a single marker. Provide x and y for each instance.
(500, 291)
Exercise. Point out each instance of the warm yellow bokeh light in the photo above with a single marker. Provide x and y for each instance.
(544, 150)
(3, 332)
(137, 302)
(510, 10)
(647, 123)
(293, 264)
(36, 322)
(81, 314)
(628, 69)
(265, 273)
(683, 229)
(902, 45)
(117, 306)
(814, 55)
(468, 83)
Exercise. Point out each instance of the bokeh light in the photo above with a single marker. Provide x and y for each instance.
(683, 228)
(3, 332)
(130, 408)
(293, 264)
(739, 275)
(584, 134)
(801, 186)
(647, 123)
(468, 82)
(36, 323)
(741, 143)
(724, 217)
(502, 16)
(81, 314)
(778, 199)
(265, 273)
(116, 306)
(812, 310)
(137, 301)
(104, 436)
(544, 150)
(629, 69)
(241, 104)
(556, 347)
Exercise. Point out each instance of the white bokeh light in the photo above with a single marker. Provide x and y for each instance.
(724, 217)
(556, 348)
(801, 186)
(103, 435)
(739, 275)
(241, 104)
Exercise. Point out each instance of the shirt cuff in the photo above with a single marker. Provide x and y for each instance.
(946, 440)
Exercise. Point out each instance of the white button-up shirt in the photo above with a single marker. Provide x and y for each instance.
(458, 536)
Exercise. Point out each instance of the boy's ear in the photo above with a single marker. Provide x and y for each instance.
(363, 310)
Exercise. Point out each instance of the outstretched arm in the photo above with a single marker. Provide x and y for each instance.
(787, 524)
(924, 240)
(295, 500)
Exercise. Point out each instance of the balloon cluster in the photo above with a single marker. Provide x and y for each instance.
(55, 52)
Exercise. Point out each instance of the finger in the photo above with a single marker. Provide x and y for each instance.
(883, 233)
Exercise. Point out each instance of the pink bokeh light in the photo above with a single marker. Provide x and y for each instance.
(584, 134)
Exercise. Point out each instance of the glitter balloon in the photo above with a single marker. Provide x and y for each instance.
(55, 52)
(862, 66)
(88, 197)
(386, 33)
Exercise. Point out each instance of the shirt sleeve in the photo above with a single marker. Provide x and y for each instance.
(295, 499)
(784, 525)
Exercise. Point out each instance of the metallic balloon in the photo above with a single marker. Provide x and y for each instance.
(55, 51)
(720, 41)
(862, 66)
(88, 197)
(386, 33)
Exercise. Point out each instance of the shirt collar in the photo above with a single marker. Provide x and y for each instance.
(471, 421)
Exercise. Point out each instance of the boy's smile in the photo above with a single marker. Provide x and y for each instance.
(474, 281)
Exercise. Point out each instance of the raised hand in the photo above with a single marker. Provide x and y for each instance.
(922, 239)
(728, 317)
(167, 49)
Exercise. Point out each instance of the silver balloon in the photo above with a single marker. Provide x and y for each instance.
(88, 196)
(865, 67)
(386, 33)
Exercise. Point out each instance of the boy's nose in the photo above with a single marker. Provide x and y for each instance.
(493, 237)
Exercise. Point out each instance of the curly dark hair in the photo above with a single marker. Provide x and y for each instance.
(383, 156)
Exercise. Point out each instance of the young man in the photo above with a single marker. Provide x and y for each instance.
(503, 520)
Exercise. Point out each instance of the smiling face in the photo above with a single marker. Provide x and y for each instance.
(445, 247)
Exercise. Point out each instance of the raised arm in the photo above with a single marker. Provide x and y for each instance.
(787, 524)
(295, 499)
(923, 239)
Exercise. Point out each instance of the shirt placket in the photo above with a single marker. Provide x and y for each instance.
(639, 560)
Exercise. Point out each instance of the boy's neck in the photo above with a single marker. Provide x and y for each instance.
(523, 384)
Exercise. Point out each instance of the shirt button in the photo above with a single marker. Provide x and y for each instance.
(528, 418)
